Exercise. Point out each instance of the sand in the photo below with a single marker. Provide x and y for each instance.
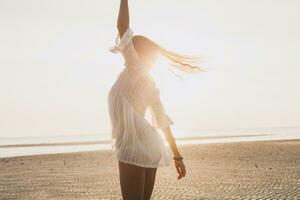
(245, 170)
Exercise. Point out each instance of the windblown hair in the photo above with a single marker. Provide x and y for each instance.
(184, 63)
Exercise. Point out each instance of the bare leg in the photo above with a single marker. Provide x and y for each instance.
(132, 181)
(149, 182)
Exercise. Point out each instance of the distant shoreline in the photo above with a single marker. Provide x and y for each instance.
(108, 141)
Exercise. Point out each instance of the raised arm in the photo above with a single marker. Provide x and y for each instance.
(123, 19)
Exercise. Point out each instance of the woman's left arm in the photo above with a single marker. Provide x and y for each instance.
(123, 18)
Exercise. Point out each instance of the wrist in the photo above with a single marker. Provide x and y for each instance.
(177, 154)
(177, 158)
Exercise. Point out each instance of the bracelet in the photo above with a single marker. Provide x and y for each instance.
(178, 158)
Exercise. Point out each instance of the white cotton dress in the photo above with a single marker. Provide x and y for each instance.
(134, 139)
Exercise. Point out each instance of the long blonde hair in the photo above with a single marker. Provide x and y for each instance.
(189, 64)
(184, 63)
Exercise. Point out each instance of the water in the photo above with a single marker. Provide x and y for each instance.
(10, 147)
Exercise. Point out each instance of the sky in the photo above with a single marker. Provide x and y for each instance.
(56, 69)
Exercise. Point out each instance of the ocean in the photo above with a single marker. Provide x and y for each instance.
(22, 146)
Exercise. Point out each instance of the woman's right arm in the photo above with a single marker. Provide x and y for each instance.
(179, 165)
(162, 121)
(123, 18)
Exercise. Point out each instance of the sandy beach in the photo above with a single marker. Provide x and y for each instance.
(245, 170)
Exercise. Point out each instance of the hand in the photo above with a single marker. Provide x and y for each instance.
(180, 167)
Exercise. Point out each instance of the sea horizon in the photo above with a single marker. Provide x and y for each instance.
(37, 145)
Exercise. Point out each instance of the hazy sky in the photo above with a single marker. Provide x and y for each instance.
(56, 70)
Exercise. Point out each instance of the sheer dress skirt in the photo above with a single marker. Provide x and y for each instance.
(134, 139)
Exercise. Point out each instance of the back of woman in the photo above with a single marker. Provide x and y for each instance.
(139, 146)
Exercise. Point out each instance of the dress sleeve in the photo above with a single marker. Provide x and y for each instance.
(160, 119)
(126, 47)
(122, 43)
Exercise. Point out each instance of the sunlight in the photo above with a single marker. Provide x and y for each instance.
(70, 48)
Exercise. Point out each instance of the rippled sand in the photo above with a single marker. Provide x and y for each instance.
(246, 170)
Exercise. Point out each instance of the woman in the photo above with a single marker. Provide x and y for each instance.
(139, 147)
